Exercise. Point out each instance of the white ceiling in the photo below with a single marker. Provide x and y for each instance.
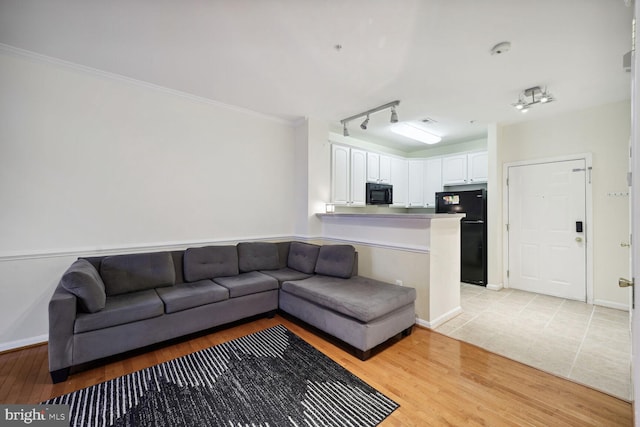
(278, 57)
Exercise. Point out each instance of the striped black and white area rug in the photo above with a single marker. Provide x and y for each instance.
(269, 378)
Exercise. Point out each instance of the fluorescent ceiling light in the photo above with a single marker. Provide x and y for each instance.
(415, 131)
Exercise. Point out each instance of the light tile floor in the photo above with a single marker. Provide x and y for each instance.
(585, 343)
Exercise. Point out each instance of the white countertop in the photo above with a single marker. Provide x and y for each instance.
(390, 215)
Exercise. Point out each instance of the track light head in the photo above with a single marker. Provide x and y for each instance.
(345, 131)
(394, 115)
(364, 124)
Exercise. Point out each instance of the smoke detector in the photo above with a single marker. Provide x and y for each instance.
(500, 48)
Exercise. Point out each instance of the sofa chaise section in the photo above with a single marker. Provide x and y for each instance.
(359, 311)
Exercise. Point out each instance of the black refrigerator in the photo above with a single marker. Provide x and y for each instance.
(473, 231)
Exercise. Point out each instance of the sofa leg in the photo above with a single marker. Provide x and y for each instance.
(363, 355)
(60, 375)
(271, 314)
(407, 331)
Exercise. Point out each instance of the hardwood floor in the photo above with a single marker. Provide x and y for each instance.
(436, 380)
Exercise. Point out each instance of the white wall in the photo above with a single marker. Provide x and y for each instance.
(90, 161)
(312, 177)
(603, 131)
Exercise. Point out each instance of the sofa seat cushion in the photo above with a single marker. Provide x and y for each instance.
(210, 262)
(120, 309)
(137, 272)
(83, 280)
(361, 298)
(247, 283)
(188, 295)
(286, 274)
(254, 256)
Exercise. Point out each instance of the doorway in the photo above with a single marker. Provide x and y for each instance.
(548, 219)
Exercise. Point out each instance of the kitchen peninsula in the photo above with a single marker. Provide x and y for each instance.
(417, 250)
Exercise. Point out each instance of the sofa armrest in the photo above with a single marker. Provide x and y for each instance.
(62, 316)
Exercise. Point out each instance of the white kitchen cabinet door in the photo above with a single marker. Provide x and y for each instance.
(358, 177)
(373, 167)
(416, 183)
(454, 170)
(399, 180)
(432, 181)
(340, 173)
(477, 167)
(385, 169)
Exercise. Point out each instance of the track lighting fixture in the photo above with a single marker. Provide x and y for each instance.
(532, 96)
(365, 123)
(394, 115)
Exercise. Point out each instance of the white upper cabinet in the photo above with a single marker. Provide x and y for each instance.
(399, 180)
(378, 168)
(468, 168)
(477, 167)
(340, 175)
(416, 183)
(358, 177)
(385, 169)
(432, 181)
(348, 176)
(454, 170)
(373, 167)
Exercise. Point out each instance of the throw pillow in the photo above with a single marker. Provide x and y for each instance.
(82, 280)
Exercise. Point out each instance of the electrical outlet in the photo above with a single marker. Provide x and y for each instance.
(399, 282)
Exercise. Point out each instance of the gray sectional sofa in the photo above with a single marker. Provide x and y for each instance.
(112, 304)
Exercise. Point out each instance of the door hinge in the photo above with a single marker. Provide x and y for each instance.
(507, 227)
(507, 182)
(629, 179)
(507, 273)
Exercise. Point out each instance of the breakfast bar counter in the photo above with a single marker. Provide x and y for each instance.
(417, 250)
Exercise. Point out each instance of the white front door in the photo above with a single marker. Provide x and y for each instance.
(546, 228)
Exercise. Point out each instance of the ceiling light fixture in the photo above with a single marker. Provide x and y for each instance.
(532, 96)
(365, 123)
(415, 131)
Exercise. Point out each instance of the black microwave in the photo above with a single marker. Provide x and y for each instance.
(379, 194)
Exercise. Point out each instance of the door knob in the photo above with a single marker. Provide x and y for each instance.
(624, 283)
(625, 245)
(578, 239)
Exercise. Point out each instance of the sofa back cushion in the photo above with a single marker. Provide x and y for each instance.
(254, 256)
(137, 272)
(336, 260)
(303, 257)
(82, 280)
(210, 262)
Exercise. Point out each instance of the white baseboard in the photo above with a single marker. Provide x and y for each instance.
(439, 320)
(494, 286)
(611, 304)
(25, 342)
